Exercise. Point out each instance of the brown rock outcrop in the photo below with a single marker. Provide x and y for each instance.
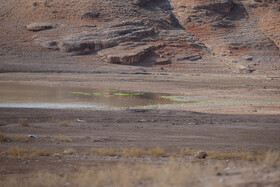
(128, 53)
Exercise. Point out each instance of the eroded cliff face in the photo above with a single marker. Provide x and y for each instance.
(225, 34)
(240, 33)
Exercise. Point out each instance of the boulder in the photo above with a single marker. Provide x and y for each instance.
(46, 43)
(125, 54)
(39, 26)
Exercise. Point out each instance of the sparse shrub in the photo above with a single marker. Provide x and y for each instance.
(17, 152)
(130, 152)
(23, 122)
(64, 123)
(42, 152)
(63, 138)
(4, 138)
(21, 139)
(158, 151)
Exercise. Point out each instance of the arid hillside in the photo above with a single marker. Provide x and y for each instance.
(197, 35)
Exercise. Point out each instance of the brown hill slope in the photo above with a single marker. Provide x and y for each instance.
(197, 35)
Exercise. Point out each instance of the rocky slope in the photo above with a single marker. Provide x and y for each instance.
(199, 35)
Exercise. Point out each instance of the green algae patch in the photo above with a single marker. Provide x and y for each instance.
(80, 93)
(121, 94)
(176, 98)
(137, 93)
(96, 94)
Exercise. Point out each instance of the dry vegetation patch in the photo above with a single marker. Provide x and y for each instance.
(63, 123)
(16, 151)
(133, 152)
(62, 138)
(21, 139)
(235, 155)
(23, 122)
(157, 151)
(42, 152)
(105, 152)
(4, 138)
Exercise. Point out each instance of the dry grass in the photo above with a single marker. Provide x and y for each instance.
(4, 138)
(187, 151)
(62, 138)
(17, 152)
(21, 139)
(42, 152)
(23, 122)
(272, 159)
(133, 152)
(104, 152)
(235, 155)
(63, 123)
(158, 151)
(230, 155)
(69, 151)
(120, 175)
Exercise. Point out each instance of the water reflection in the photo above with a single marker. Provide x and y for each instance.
(29, 96)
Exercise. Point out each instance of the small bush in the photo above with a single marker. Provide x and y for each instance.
(104, 151)
(63, 138)
(64, 123)
(156, 152)
(4, 138)
(42, 152)
(23, 122)
(133, 152)
(21, 139)
(17, 152)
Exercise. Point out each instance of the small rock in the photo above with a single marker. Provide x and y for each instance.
(46, 43)
(189, 57)
(32, 136)
(163, 61)
(223, 24)
(79, 120)
(90, 15)
(249, 58)
(201, 154)
(39, 26)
